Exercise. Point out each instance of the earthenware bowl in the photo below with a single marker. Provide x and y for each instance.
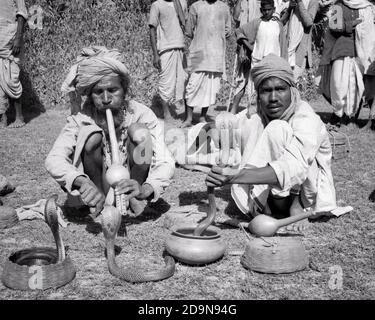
(195, 250)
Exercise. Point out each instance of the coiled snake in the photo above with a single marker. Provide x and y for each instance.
(42, 256)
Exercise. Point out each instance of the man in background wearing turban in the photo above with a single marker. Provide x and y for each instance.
(286, 159)
(13, 15)
(81, 154)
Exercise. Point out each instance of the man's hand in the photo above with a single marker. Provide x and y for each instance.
(130, 187)
(356, 22)
(156, 62)
(17, 44)
(90, 194)
(242, 56)
(216, 177)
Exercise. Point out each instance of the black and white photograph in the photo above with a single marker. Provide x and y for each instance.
(188, 156)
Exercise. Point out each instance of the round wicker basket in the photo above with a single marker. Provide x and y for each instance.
(8, 217)
(36, 269)
(275, 255)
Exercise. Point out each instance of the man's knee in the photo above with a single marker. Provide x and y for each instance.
(138, 133)
(93, 142)
(278, 131)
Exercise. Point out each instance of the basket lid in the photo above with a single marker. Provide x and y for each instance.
(275, 255)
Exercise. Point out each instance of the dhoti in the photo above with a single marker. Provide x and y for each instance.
(346, 86)
(10, 85)
(202, 89)
(172, 77)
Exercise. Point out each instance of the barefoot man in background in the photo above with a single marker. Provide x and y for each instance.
(209, 25)
(167, 24)
(13, 15)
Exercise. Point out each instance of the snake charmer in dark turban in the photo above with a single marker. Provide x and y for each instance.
(275, 66)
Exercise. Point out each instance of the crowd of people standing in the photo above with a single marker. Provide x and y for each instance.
(262, 27)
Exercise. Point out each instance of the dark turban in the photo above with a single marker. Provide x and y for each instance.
(272, 66)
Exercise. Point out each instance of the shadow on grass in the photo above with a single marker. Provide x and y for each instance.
(224, 108)
(157, 108)
(325, 116)
(81, 216)
(200, 197)
(153, 211)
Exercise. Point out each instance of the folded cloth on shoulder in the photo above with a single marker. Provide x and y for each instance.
(36, 211)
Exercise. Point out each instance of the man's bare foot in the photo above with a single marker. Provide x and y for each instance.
(299, 226)
(17, 124)
(186, 124)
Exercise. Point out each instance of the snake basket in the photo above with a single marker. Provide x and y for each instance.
(8, 217)
(275, 255)
(36, 269)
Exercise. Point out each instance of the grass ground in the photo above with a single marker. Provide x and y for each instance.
(345, 243)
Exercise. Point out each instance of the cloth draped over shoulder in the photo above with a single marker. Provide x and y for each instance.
(180, 13)
(92, 65)
(10, 84)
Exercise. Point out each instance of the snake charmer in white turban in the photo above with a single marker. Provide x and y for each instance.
(93, 64)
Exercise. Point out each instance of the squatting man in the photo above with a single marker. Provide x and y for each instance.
(81, 154)
(286, 157)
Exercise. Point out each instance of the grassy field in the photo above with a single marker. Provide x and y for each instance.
(345, 243)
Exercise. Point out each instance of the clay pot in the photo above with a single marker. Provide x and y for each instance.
(195, 250)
